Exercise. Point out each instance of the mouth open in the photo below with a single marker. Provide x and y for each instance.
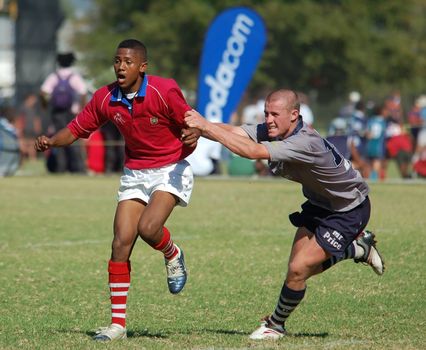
(121, 78)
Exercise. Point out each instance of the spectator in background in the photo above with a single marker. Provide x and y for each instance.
(422, 104)
(64, 92)
(95, 153)
(419, 158)
(28, 124)
(253, 113)
(339, 136)
(419, 163)
(358, 125)
(357, 130)
(415, 119)
(114, 148)
(205, 160)
(10, 153)
(348, 109)
(305, 110)
(376, 133)
(394, 108)
(399, 147)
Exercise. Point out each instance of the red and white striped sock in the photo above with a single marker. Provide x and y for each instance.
(119, 283)
(167, 246)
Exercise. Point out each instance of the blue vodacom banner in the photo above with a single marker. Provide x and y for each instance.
(232, 49)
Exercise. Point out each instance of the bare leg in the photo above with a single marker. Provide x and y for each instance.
(155, 215)
(127, 216)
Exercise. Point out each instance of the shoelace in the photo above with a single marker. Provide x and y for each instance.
(174, 268)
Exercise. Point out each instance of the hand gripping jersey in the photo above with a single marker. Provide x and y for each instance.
(151, 124)
(328, 179)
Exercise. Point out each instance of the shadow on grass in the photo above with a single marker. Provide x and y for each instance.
(164, 335)
(146, 333)
(308, 335)
(130, 333)
(294, 335)
(225, 331)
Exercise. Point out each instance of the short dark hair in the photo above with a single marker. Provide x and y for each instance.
(65, 59)
(135, 45)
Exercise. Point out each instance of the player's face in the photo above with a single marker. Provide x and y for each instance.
(279, 118)
(129, 66)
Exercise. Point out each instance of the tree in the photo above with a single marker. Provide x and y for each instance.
(331, 46)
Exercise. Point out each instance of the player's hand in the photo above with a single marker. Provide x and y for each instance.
(190, 136)
(195, 120)
(42, 143)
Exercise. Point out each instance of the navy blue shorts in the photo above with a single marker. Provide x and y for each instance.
(334, 231)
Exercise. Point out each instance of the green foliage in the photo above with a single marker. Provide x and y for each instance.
(327, 46)
(55, 243)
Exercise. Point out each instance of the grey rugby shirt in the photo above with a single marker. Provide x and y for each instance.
(328, 179)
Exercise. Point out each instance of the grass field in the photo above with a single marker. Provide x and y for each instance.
(55, 235)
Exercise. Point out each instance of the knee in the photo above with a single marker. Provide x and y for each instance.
(297, 272)
(149, 230)
(121, 248)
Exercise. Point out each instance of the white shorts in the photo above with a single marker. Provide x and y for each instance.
(175, 178)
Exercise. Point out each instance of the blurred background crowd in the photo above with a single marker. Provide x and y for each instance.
(358, 66)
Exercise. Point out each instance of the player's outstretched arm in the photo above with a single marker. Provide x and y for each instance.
(232, 137)
(63, 137)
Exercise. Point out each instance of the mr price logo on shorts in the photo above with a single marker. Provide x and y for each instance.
(233, 46)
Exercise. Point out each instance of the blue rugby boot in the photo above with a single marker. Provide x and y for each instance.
(176, 272)
(371, 255)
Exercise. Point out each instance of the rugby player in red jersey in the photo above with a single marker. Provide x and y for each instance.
(149, 112)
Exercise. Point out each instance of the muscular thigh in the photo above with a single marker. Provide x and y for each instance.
(155, 215)
(300, 240)
(126, 220)
(306, 251)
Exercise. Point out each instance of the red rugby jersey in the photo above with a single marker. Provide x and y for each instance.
(151, 126)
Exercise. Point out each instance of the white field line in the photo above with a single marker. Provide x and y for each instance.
(66, 243)
(339, 343)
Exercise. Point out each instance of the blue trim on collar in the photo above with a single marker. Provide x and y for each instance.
(142, 88)
(117, 95)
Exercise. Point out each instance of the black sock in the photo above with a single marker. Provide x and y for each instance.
(287, 302)
(348, 254)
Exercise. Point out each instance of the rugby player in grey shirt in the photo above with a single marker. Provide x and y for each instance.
(330, 226)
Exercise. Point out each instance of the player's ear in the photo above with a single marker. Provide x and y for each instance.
(143, 66)
(294, 114)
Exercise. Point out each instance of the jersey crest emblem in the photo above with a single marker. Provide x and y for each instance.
(154, 120)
